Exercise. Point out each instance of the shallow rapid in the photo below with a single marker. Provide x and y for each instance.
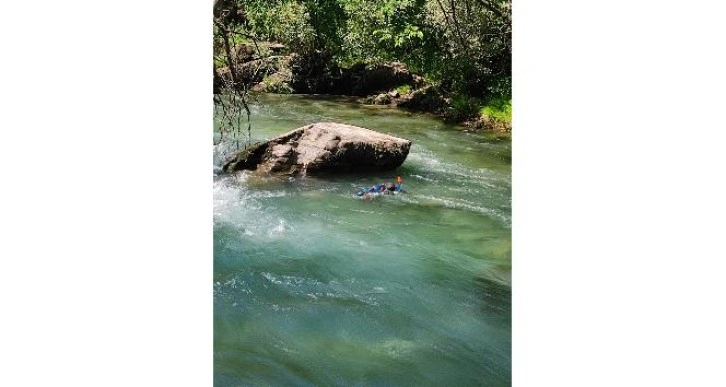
(316, 286)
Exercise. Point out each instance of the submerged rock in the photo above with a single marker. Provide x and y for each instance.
(323, 147)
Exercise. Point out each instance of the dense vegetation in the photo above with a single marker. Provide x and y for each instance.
(460, 48)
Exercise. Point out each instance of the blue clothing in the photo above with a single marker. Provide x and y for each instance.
(380, 188)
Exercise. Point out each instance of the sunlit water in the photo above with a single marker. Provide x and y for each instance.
(314, 286)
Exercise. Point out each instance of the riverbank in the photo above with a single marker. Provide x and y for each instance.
(473, 114)
(269, 68)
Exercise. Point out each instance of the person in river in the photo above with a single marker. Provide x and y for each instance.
(373, 189)
(382, 188)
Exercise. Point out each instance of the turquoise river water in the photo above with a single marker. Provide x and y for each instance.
(313, 286)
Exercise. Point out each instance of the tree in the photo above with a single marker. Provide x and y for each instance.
(231, 94)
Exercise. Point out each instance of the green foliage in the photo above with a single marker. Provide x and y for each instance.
(403, 89)
(282, 21)
(500, 88)
(273, 84)
(499, 109)
(463, 107)
(383, 30)
(327, 19)
(465, 44)
(463, 47)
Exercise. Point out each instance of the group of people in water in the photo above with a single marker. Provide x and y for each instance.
(382, 188)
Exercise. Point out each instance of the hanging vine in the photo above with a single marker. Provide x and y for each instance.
(231, 91)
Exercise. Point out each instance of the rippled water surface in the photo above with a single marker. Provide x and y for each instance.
(313, 286)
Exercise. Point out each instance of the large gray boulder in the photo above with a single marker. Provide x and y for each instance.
(323, 147)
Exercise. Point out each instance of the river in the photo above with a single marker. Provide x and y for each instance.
(313, 286)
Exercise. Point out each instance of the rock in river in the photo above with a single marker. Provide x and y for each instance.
(323, 147)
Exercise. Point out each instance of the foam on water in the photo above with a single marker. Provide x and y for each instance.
(459, 204)
(316, 287)
(435, 169)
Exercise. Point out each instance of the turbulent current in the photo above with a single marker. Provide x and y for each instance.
(314, 286)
